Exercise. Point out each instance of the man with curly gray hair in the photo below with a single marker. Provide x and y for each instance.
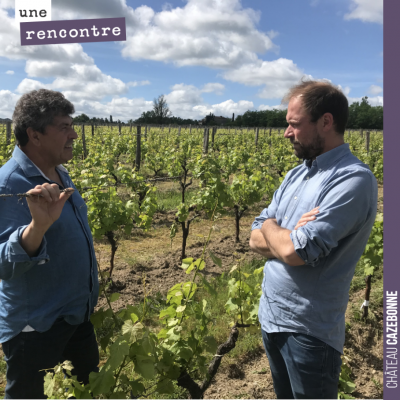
(48, 271)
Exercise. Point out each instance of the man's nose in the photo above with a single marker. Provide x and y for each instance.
(288, 132)
(74, 135)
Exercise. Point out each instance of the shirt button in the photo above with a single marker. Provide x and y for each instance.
(320, 170)
(285, 217)
(308, 177)
(295, 197)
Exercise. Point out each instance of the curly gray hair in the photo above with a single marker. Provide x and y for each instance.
(37, 109)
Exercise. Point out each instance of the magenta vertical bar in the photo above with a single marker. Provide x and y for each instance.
(391, 384)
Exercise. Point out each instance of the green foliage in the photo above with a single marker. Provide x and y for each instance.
(244, 295)
(363, 115)
(372, 257)
(262, 118)
(346, 384)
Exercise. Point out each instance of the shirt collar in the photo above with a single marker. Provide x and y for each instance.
(324, 161)
(29, 167)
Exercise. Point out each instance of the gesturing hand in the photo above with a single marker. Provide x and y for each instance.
(46, 203)
(306, 217)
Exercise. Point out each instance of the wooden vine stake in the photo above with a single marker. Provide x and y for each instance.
(365, 305)
(213, 132)
(256, 142)
(138, 147)
(8, 132)
(205, 141)
(84, 142)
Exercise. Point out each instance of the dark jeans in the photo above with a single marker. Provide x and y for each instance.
(30, 352)
(302, 366)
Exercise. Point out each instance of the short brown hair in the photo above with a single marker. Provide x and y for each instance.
(320, 97)
(37, 109)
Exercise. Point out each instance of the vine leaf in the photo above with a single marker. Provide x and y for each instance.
(131, 331)
(114, 297)
(215, 259)
(101, 382)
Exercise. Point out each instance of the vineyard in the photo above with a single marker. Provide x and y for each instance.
(170, 209)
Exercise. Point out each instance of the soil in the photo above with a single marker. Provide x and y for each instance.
(248, 377)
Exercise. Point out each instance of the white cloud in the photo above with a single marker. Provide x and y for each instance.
(28, 85)
(7, 103)
(375, 89)
(97, 84)
(7, 4)
(263, 107)
(138, 83)
(78, 9)
(217, 88)
(224, 109)
(188, 35)
(185, 101)
(10, 72)
(192, 35)
(346, 90)
(366, 11)
(48, 68)
(276, 76)
(120, 108)
(272, 34)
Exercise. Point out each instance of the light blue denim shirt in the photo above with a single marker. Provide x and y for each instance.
(312, 298)
(61, 281)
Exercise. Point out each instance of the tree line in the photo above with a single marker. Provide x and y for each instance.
(361, 115)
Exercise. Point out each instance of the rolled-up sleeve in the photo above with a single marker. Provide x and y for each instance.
(345, 205)
(270, 212)
(14, 261)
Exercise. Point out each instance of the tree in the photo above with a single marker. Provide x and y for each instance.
(111, 120)
(81, 118)
(160, 109)
(209, 119)
(363, 115)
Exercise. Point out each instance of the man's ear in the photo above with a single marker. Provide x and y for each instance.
(34, 136)
(327, 121)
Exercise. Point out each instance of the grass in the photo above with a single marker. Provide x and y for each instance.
(248, 342)
(171, 199)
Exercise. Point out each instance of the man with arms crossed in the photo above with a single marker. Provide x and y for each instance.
(48, 269)
(313, 233)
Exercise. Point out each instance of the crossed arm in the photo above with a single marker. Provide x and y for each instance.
(272, 241)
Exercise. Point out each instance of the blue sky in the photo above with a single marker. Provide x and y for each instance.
(219, 56)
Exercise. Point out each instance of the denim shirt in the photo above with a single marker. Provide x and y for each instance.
(312, 298)
(61, 280)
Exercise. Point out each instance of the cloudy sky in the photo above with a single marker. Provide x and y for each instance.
(219, 56)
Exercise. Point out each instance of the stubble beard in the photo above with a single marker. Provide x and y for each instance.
(312, 150)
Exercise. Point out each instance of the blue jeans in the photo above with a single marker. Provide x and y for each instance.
(30, 352)
(302, 366)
